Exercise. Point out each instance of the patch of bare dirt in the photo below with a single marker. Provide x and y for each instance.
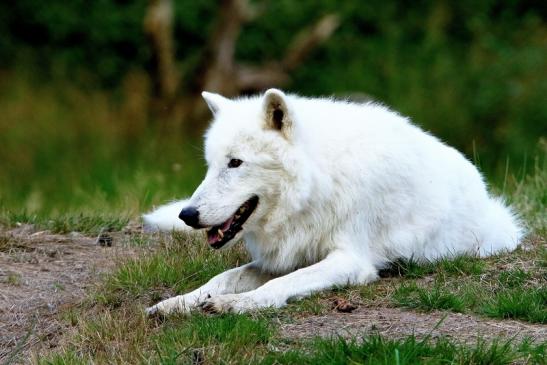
(41, 275)
(399, 323)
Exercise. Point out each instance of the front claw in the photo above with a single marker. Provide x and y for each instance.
(209, 307)
(228, 303)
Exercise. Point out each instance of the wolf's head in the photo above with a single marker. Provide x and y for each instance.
(252, 163)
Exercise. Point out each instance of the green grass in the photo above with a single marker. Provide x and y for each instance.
(233, 336)
(69, 357)
(90, 224)
(379, 350)
(413, 296)
(244, 339)
(506, 303)
(509, 286)
(529, 194)
(514, 278)
(124, 335)
(181, 263)
(70, 151)
(464, 264)
(524, 304)
(468, 284)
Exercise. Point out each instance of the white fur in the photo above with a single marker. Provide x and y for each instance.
(343, 190)
(166, 218)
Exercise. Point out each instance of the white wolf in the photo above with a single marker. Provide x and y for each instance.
(325, 193)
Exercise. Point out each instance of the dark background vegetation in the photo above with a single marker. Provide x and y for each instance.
(77, 132)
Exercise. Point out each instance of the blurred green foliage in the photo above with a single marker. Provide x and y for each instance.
(472, 72)
(85, 151)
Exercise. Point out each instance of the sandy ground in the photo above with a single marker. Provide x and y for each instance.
(41, 276)
(399, 323)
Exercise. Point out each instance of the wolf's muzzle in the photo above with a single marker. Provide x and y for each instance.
(190, 216)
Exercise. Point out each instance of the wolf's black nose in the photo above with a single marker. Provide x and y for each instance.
(190, 216)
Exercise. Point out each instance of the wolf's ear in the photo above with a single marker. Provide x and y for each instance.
(215, 102)
(276, 112)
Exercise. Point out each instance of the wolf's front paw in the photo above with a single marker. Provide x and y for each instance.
(229, 303)
(152, 311)
(178, 304)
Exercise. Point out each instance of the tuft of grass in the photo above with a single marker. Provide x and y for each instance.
(5, 243)
(125, 335)
(535, 352)
(410, 350)
(514, 293)
(529, 195)
(313, 305)
(69, 357)
(514, 278)
(9, 244)
(232, 335)
(182, 263)
(110, 336)
(91, 224)
(141, 240)
(462, 265)
(412, 269)
(412, 295)
(14, 279)
(524, 304)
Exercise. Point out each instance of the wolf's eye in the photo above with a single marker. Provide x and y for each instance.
(234, 162)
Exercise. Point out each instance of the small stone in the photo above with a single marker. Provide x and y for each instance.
(52, 253)
(104, 239)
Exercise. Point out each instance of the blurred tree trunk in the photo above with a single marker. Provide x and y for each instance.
(158, 26)
(218, 70)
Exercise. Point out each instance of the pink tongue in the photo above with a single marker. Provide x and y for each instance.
(213, 238)
(226, 224)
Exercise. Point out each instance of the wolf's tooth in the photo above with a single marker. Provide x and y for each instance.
(220, 233)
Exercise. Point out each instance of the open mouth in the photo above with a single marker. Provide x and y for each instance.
(219, 235)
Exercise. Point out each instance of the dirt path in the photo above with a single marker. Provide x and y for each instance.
(399, 323)
(42, 274)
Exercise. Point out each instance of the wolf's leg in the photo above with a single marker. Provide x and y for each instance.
(166, 218)
(338, 268)
(238, 280)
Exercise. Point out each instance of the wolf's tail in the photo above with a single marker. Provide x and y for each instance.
(501, 227)
(166, 218)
